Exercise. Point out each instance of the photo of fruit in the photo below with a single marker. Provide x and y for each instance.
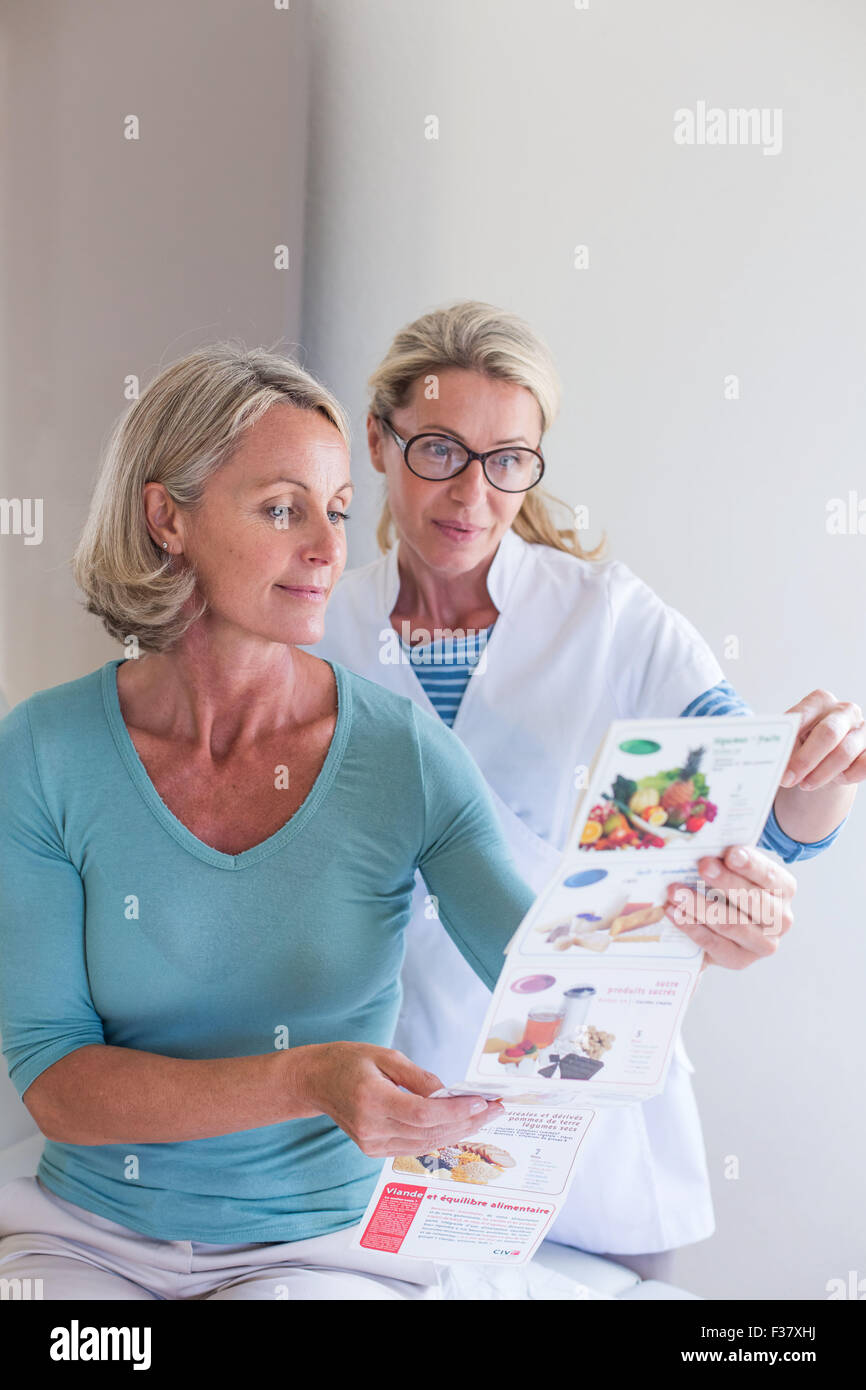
(652, 811)
(473, 1161)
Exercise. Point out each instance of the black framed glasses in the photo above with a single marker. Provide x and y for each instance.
(438, 457)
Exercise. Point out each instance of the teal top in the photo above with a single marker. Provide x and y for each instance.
(119, 926)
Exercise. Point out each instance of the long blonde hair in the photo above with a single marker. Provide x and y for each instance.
(184, 427)
(478, 337)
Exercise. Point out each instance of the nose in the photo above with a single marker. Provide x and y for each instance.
(324, 543)
(470, 486)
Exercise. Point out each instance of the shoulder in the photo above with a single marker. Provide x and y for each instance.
(394, 726)
(630, 598)
(15, 735)
(574, 586)
(383, 724)
(561, 567)
(40, 738)
(370, 701)
(55, 707)
(42, 735)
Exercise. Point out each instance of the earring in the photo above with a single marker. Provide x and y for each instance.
(165, 545)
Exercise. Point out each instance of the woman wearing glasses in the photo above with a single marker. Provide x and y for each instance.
(490, 616)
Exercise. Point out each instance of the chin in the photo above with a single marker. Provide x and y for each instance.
(294, 635)
(458, 558)
(306, 636)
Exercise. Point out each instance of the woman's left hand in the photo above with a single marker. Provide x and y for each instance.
(746, 913)
(831, 743)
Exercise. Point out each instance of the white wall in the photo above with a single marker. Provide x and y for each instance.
(556, 129)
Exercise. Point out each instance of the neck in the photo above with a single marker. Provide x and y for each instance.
(217, 696)
(442, 600)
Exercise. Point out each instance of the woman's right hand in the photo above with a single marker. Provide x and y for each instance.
(358, 1085)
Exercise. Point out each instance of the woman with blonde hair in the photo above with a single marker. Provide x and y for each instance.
(493, 616)
(206, 877)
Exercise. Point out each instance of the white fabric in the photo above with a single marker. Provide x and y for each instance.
(80, 1255)
(576, 645)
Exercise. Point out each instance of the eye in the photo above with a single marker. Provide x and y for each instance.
(341, 516)
(283, 507)
(436, 450)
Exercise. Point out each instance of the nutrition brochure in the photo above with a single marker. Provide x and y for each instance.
(589, 1004)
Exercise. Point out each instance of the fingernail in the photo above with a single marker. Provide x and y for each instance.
(712, 869)
(738, 856)
(477, 1106)
(788, 779)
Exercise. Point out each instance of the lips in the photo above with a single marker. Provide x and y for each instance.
(308, 591)
(457, 529)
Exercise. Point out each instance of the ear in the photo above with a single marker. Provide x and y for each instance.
(160, 515)
(375, 443)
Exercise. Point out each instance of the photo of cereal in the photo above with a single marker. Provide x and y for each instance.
(471, 1161)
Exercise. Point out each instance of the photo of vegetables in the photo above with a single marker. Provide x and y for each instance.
(652, 811)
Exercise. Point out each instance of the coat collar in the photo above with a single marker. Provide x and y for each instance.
(511, 554)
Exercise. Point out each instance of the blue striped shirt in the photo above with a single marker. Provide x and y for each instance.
(444, 666)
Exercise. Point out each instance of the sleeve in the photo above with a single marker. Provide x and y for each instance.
(774, 837)
(722, 698)
(464, 858)
(46, 1010)
(660, 661)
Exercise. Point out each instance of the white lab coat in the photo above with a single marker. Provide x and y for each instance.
(576, 644)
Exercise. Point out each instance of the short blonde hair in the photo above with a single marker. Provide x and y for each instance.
(183, 428)
(478, 337)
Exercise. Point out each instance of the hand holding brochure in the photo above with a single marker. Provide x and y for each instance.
(589, 1004)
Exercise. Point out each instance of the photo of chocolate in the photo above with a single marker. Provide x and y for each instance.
(580, 1056)
(571, 1067)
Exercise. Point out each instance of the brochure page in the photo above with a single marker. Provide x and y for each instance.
(598, 975)
(491, 1198)
(595, 982)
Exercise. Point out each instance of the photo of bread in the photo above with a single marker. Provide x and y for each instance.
(588, 931)
(630, 921)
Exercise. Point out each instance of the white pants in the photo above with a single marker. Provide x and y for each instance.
(79, 1255)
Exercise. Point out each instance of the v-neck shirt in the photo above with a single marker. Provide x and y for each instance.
(118, 925)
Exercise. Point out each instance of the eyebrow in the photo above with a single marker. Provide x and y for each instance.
(262, 483)
(518, 439)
